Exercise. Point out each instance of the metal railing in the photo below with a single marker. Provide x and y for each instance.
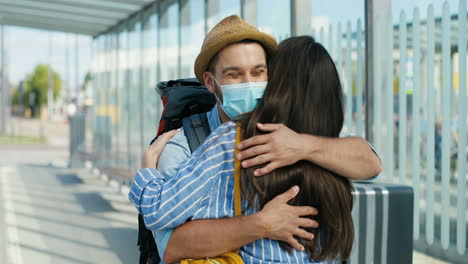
(420, 117)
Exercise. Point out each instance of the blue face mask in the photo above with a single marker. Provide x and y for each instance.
(240, 98)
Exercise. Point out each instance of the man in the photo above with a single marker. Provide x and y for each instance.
(233, 53)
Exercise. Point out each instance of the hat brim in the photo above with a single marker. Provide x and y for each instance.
(207, 53)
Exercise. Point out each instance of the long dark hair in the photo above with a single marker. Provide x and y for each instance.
(304, 93)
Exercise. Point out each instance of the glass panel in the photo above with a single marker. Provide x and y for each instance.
(192, 34)
(219, 9)
(101, 100)
(97, 90)
(124, 90)
(268, 21)
(134, 95)
(169, 40)
(113, 98)
(109, 106)
(151, 101)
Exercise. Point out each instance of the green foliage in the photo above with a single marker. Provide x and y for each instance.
(35, 89)
(17, 139)
(15, 97)
(86, 81)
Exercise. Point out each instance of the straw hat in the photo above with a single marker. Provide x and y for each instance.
(230, 30)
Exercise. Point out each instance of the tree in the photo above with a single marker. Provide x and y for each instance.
(86, 81)
(36, 87)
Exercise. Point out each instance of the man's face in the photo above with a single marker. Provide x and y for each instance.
(238, 63)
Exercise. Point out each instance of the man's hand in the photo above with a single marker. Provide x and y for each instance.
(153, 152)
(281, 147)
(283, 221)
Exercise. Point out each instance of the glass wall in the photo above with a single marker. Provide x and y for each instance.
(125, 97)
(219, 9)
(122, 117)
(134, 94)
(276, 20)
(151, 103)
(169, 40)
(192, 30)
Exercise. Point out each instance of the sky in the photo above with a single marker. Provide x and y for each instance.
(27, 47)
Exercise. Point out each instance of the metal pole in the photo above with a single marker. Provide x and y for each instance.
(67, 67)
(300, 17)
(3, 83)
(49, 88)
(369, 21)
(50, 81)
(205, 20)
(77, 75)
(293, 15)
(249, 11)
(69, 71)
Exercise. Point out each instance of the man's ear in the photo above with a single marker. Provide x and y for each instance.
(209, 82)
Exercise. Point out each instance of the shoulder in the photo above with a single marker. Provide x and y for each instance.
(224, 133)
(179, 139)
(220, 139)
(178, 144)
(176, 152)
(225, 130)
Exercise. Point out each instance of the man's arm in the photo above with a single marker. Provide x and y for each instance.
(209, 238)
(351, 157)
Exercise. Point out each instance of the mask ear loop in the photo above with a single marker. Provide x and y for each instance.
(216, 96)
(219, 85)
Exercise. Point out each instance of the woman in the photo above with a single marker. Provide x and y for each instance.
(304, 93)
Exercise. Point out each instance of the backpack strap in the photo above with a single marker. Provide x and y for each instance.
(237, 176)
(196, 129)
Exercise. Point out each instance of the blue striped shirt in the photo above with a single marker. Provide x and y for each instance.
(203, 189)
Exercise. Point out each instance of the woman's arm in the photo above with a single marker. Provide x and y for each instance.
(169, 203)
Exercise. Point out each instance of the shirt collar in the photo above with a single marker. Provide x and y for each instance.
(213, 118)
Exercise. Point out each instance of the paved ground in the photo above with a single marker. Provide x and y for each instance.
(52, 214)
(419, 258)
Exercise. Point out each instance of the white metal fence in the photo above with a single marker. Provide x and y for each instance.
(420, 120)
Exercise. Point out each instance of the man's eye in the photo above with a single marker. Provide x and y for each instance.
(233, 74)
(259, 71)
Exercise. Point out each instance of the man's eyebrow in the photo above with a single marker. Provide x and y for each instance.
(230, 69)
(234, 68)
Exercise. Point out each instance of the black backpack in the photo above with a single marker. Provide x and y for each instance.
(185, 103)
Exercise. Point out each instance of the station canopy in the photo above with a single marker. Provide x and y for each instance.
(88, 17)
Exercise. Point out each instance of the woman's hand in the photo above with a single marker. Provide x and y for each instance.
(152, 154)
